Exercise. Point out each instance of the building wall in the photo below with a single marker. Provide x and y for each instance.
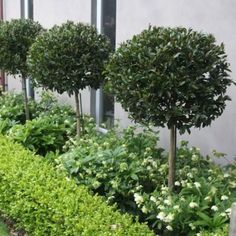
(217, 17)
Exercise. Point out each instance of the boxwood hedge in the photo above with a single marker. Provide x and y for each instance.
(44, 201)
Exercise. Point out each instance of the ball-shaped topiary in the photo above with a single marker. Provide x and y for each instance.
(16, 36)
(68, 58)
(171, 76)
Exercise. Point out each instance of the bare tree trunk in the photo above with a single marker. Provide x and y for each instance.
(81, 114)
(172, 158)
(77, 106)
(27, 115)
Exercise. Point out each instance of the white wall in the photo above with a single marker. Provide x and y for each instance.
(11, 9)
(215, 16)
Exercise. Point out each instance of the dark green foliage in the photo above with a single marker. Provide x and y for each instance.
(69, 57)
(44, 202)
(171, 76)
(16, 36)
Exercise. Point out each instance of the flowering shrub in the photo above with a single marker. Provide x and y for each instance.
(203, 197)
(115, 166)
(131, 171)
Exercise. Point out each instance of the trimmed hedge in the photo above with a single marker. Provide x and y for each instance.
(44, 201)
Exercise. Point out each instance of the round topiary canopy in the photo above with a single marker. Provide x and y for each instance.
(69, 57)
(16, 37)
(172, 76)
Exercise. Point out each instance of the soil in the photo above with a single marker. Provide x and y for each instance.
(13, 231)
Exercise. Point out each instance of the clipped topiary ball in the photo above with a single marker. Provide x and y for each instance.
(171, 76)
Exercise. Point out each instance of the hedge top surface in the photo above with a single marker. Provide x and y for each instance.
(45, 202)
(16, 36)
(69, 57)
(171, 76)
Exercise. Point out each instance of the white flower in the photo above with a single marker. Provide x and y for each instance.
(226, 175)
(190, 175)
(177, 183)
(193, 205)
(161, 207)
(170, 217)
(209, 178)
(224, 197)
(176, 207)
(182, 199)
(153, 199)
(228, 211)
(161, 215)
(194, 157)
(197, 184)
(167, 202)
(164, 188)
(223, 214)
(207, 198)
(214, 208)
(144, 210)
(168, 227)
(192, 226)
(138, 199)
(189, 185)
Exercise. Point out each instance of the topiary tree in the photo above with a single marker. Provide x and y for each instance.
(171, 76)
(69, 58)
(16, 36)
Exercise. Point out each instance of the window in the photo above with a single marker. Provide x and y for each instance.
(104, 18)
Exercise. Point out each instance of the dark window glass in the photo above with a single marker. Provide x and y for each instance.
(109, 29)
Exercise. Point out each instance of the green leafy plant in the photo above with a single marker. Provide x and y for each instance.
(44, 201)
(202, 201)
(43, 134)
(12, 110)
(68, 58)
(16, 36)
(172, 76)
(115, 166)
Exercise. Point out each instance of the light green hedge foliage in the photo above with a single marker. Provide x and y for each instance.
(45, 202)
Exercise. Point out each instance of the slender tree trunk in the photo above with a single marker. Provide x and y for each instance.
(172, 158)
(77, 106)
(27, 115)
(81, 114)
